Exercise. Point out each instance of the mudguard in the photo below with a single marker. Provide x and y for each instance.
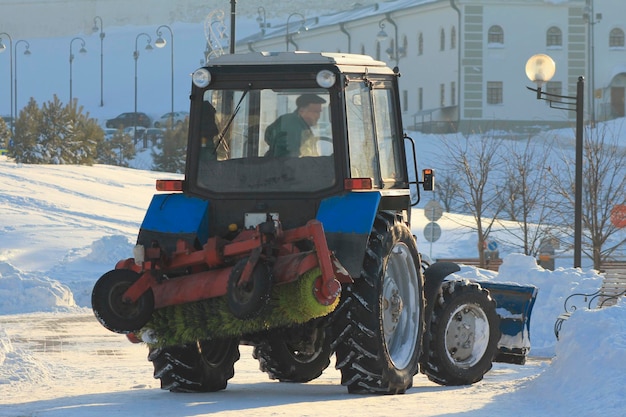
(514, 306)
(348, 220)
(175, 216)
(433, 277)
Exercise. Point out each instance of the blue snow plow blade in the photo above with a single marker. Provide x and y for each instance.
(514, 304)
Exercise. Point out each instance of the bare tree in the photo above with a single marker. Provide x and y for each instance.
(604, 187)
(524, 195)
(448, 190)
(476, 160)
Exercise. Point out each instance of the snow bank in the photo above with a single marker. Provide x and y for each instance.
(588, 374)
(18, 365)
(24, 293)
(554, 288)
(81, 269)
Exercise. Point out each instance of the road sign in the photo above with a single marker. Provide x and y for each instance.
(618, 215)
(492, 245)
(433, 210)
(432, 232)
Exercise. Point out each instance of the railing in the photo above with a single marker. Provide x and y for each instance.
(613, 287)
(490, 264)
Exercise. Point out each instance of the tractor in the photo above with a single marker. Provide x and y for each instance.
(290, 233)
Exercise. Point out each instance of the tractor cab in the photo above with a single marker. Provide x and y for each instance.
(266, 127)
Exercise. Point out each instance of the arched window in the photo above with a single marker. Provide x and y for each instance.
(616, 38)
(453, 38)
(420, 44)
(495, 35)
(442, 40)
(554, 37)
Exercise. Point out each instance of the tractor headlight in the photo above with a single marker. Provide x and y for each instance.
(325, 78)
(201, 78)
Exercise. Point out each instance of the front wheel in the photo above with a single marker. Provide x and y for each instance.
(464, 335)
(378, 325)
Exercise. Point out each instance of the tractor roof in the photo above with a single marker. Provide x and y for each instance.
(351, 62)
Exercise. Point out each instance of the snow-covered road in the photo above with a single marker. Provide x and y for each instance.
(67, 364)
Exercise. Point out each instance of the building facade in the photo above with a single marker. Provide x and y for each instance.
(463, 61)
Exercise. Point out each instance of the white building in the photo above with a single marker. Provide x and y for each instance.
(462, 61)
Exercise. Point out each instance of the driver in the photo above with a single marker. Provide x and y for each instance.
(290, 134)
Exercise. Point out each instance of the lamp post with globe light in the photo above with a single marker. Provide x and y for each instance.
(26, 53)
(540, 69)
(160, 43)
(288, 36)
(98, 26)
(83, 51)
(136, 57)
(2, 49)
(382, 35)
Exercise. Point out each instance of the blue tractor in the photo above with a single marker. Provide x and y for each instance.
(291, 233)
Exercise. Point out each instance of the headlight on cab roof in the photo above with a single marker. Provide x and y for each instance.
(325, 79)
(201, 77)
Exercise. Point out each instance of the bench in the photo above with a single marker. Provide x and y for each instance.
(613, 287)
(490, 264)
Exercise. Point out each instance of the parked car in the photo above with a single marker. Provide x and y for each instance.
(109, 132)
(154, 134)
(175, 118)
(130, 131)
(129, 119)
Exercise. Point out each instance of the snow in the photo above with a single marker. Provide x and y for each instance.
(64, 226)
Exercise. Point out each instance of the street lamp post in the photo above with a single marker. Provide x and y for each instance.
(288, 37)
(2, 49)
(160, 43)
(261, 19)
(215, 33)
(540, 69)
(27, 53)
(233, 19)
(83, 51)
(98, 26)
(136, 57)
(591, 18)
(382, 35)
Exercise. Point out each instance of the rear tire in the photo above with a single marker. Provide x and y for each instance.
(464, 335)
(378, 325)
(204, 366)
(297, 354)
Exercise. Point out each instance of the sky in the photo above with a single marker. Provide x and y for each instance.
(62, 227)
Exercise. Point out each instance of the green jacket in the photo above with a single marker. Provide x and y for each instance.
(286, 135)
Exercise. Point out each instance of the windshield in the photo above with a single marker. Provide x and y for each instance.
(265, 140)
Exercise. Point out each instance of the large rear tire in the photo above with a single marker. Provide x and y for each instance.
(378, 325)
(464, 335)
(296, 354)
(204, 366)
